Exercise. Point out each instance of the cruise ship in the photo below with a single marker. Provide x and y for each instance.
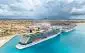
(33, 38)
(42, 33)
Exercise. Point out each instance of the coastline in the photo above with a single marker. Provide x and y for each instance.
(5, 39)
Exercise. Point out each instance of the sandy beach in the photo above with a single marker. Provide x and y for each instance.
(5, 39)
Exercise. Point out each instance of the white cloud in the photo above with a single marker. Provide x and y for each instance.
(79, 7)
(24, 7)
(67, 1)
(1, 11)
(39, 7)
(78, 10)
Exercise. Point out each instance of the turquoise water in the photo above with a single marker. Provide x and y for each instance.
(72, 42)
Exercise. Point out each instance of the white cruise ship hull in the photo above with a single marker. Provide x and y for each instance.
(19, 46)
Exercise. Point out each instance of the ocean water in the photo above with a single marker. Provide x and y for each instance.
(71, 42)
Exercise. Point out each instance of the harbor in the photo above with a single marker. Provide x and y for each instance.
(8, 29)
(73, 41)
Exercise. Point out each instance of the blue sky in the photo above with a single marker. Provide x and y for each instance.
(41, 8)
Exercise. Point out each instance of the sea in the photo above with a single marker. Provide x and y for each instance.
(67, 42)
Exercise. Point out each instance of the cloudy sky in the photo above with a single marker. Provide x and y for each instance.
(41, 8)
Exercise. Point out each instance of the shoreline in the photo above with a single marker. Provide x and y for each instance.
(5, 39)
